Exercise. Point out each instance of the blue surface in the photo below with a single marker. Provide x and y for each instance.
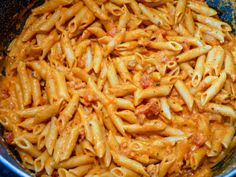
(8, 165)
(226, 10)
(231, 174)
(5, 172)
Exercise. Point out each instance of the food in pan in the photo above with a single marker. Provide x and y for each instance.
(121, 88)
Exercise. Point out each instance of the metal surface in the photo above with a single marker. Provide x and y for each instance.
(12, 18)
(10, 162)
(13, 14)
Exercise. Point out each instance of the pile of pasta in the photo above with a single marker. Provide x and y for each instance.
(121, 88)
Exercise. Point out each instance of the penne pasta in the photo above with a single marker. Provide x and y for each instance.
(197, 158)
(122, 69)
(76, 160)
(127, 115)
(217, 34)
(165, 165)
(68, 112)
(129, 163)
(98, 136)
(135, 7)
(50, 6)
(79, 22)
(19, 96)
(27, 159)
(213, 22)
(124, 19)
(221, 109)
(61, 85)
(100, 95)
(193, 53)
(112, 75)
(201, 8)
(229, 66)
(135, 35)
(120, 88)
(25, 145)
(64, 173)
(98, 57)
(24, 83)
(118, 171)
(190, 40)
(124, 104)
(31, 112)
(118, 123)
(39, 162)
(66, 141)
(189, 22)
(165, 108)
(50, 22)
(151, 126)
(199, 71)
(36, 92)
(170, 45)
(185, 94)
(214, 89)
(96, 9)
(48, 112)
(182, 30)
(139, 95)
(68, 13)
(113, 9)
(52, 136)
(68, 50)
(180, 10)
(118, 38)
(81, 170)
(187, 68)
(153, 17)
(81, 47)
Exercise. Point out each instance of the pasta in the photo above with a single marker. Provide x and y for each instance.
(120, 88)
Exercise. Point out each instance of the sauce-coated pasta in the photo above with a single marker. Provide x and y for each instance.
(121, 88)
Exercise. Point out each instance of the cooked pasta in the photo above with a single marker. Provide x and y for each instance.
(120, 88)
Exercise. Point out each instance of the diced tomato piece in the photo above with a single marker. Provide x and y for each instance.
(186, 46)
(113, 32)
(55, 173)
(4, 93)
(90, 97)
(9, 137)
(146, 81)
(164, 59)
(198, 139)
(151, 108)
